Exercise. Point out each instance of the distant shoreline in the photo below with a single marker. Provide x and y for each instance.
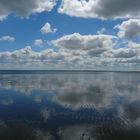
(60, 71)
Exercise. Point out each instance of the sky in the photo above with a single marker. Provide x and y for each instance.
(70, 34)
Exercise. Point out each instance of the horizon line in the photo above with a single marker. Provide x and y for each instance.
(61, 71)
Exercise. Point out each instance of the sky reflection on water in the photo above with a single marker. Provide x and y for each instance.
(84, 106)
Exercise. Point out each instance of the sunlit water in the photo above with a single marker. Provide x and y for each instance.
(70, 106)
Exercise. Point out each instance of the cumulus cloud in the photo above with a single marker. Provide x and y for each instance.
(38, 42)
(48, 29)
(76, 51)
(23, 53)
(133, 45)
(7, 38)
(77, 41)
(129, 28)
(27, 58)
(85, 46)
(101, 8)
(122, 53)
(24, 8)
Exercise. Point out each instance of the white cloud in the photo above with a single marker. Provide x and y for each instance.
(7, 38)
(77, 41)
(48, 29)
(129, 28)
(28, 55)
(76, 51)
(38, 42)
(133, 45)
(101, 8)
(24, 8)
(102, 31)
(124, 53)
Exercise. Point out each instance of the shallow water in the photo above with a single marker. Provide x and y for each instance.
(70, 106)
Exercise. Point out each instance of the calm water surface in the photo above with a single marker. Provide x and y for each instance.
(70, 106)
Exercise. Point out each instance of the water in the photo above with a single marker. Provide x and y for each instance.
(70, 106)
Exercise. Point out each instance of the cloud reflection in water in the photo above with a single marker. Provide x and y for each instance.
(74, 106)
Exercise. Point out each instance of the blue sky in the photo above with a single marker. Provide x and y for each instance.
(27, 30)
(80, 34)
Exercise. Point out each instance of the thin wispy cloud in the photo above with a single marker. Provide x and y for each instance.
(7, 38)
